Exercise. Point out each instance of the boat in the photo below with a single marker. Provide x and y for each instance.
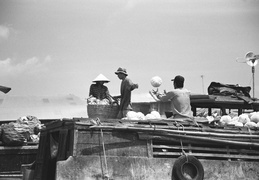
(168, 149)
(108, 148)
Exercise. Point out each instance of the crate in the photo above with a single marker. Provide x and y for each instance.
(102, 111)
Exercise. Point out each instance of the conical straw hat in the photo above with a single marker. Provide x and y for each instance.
(101, 77)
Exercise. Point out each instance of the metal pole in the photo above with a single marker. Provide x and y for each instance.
(202, 83)
(253, 76)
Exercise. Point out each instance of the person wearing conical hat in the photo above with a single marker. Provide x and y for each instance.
(99, 90)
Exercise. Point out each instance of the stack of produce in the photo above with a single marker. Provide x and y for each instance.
(250, 120)
(132, 115)
(93, 100)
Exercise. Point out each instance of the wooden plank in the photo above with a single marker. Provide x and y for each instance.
(13, 162)
(93, 137)
(114, 149)
(88, 149)
(62, 145)
(149, 148)
(194, 139)
(43, 147)
(18, 147)
(70, 140)
(53, 125)
(182, 129)
(230, 156)
(189, 148)
(116, 144)
(75, 142)
(204, 149)
(18, 150)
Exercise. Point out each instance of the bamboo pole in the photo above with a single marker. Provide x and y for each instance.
(154, 129)
(202, 140)
(179, 135)
(179, 126)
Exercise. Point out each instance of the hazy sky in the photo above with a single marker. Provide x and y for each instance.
(50, 47)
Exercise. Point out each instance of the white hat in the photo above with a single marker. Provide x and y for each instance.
(101, 77)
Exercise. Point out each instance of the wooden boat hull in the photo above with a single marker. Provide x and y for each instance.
(136, 168)
(122, 152)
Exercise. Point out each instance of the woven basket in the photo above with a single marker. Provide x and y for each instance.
(102, 111)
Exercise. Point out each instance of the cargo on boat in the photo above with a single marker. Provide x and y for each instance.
(93, 148)
(108, 148)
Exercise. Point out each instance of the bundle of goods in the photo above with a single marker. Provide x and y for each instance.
(101, 109)
(25, 129)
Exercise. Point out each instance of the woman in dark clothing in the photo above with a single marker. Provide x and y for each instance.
(99, 90)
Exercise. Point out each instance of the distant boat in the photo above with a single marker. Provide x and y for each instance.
(5, 89)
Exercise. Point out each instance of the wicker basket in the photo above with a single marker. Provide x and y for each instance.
(102, 111)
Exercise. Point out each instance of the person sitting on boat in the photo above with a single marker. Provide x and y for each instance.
(99, 92)
(179, 97)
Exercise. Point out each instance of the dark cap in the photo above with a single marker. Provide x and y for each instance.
(122, 71)
(178, 78)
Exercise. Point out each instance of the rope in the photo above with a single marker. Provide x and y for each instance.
(105, 159)
(181, 142)
(183, 152)
(106, 175)
(250, 133)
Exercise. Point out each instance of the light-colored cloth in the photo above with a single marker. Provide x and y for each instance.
(180, 102)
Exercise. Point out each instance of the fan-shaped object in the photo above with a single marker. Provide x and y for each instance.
(251, 59)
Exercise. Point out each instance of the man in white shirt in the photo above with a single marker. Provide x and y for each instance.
(180, 99)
